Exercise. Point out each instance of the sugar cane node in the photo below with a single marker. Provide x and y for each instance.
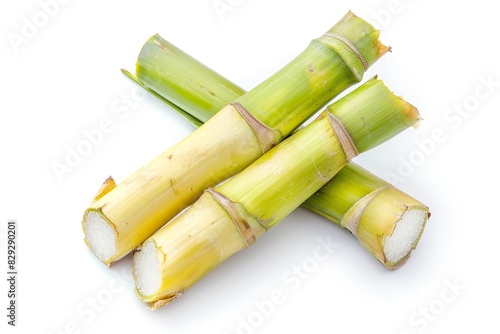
(249, 227)
(345, 139)
(351, 46)
(266, 136)
(350, 220)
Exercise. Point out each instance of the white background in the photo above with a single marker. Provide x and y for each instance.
(65, 79)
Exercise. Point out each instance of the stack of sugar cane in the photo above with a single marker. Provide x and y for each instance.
(273, 166)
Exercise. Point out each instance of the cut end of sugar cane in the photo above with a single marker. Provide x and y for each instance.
(146, 270)
(390, 225)
(405, 236)
(386, 221)
(186, 249)
(100, 236)
(147, 275)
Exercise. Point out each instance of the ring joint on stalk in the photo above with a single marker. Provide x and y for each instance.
(350, 46)
(267, 137)
(248, 227)
(348, 145)
(350, 220)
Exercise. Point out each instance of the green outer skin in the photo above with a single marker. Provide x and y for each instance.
(163, 68)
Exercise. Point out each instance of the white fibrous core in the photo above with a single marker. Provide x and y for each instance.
(405, 235)
(147, 269)
(100, 236)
